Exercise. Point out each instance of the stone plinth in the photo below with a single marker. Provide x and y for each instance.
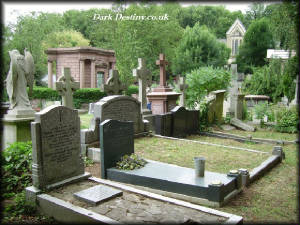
(16, 126)
(164, 101)
(16, 129)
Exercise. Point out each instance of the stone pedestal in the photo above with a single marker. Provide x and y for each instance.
(16, 126)
(162, 100)
(239, 106)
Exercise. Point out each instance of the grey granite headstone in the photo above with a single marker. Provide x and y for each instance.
(113, 85)
(116, 140)
(56, 146)
(97, 194)
(91, 108)
(122, 108)
(240, 124)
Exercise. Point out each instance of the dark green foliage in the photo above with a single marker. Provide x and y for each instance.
(130, 162)
(132, 89)
(87, 95)
(197, 48)
(203, 115)
(272, 80)
(204, 80)
(287, 120)
(16, 168)
(257, 40)
(264, 109)
(45, 93)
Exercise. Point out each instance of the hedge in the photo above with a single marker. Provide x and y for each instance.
(83, 95)
(132, 89)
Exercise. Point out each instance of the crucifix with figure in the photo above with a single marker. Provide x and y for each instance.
(65, 86)
(145, 79)
(113, 85)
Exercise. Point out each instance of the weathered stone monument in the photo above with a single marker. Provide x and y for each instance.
(16, 123)
(66, 86)
(56, 147)
(236, 98)
(162, 99)
(122, 108)
(181, 86)
(145, 79)
(215, 111)
(113, 85)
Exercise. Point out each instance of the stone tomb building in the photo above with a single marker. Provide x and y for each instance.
(89, 65)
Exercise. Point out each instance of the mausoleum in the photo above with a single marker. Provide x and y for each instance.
(89, 65)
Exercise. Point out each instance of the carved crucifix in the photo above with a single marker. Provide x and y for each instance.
(65, 86)
(113, 85)
(162, 70)
(145, 78)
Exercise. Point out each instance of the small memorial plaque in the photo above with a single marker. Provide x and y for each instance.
(97, 194)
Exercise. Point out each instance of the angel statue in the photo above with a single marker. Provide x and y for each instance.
(20, 75)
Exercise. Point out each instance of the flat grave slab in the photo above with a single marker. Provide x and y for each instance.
(97, 194)
(178, 179)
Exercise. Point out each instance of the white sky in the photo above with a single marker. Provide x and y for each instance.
(13, 9)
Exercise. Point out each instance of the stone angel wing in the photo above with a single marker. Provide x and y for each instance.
(29, 70)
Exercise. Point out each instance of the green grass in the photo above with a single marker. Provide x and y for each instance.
(263, 133)
(85, 120)
(272, 198)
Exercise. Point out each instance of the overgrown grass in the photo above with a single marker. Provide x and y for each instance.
(272, 198)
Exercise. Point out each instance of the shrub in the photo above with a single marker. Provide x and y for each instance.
(287, 120)
(45, 93)
(83, 95)
(204, 80)
(132, 89)
(130, 162)
(16, 167)
(87, 95)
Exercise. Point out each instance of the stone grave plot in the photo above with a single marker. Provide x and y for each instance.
(131, 206)
(116, 140)
(256, 161)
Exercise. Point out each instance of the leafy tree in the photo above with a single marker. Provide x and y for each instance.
(216, 18)
(197, 48)
(203, 80)
(65, 38)
(257, 40)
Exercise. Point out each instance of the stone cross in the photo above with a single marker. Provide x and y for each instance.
(162, 68)
(145, 79)
(65, 86)
(113, 85)
(182, 86)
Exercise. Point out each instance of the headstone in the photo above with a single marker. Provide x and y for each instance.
(91, 108)
(97, 194)
(215, 111)
(192, 122)
(119, 107)
(179, 121)
(113, 85)
(181, 86)
(240, 124)
(65, 86)
(116, 140)
(145, 79)
(56, 147)
(163, 124)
